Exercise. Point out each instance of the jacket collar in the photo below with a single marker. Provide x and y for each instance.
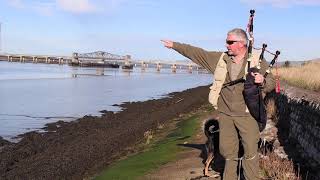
(228, 59)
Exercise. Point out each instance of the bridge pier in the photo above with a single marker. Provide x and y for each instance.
(174, 68)
(35, 59)
(190, 68)
(60, 61)
(75, 59)
(22, 59)
(158, 66)
(143, 65)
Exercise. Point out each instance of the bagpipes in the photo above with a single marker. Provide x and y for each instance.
(252, 92)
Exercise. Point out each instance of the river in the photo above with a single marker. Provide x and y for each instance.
(32, 95)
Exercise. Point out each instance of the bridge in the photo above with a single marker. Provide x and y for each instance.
(99, 59)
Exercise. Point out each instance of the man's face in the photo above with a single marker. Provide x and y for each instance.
(234, 44)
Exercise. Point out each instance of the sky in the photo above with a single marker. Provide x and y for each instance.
(135, 27)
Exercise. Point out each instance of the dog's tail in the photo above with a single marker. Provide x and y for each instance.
(210, 126)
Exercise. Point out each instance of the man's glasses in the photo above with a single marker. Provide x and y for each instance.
(230, 42)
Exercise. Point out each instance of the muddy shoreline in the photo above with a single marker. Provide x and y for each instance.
(82, 148)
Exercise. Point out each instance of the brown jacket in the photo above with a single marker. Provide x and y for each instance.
(231, 101)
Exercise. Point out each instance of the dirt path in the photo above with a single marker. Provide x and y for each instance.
(188, 166)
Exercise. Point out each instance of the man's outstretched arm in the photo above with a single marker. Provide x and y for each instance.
(200, 56)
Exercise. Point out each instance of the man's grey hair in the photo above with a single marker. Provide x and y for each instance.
(239, 33)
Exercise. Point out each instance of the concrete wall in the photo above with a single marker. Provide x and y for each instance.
(298, 113)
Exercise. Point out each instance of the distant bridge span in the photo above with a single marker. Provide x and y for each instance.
(101, 55)
(96, 57)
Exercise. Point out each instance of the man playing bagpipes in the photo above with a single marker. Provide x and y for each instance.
(228, 96)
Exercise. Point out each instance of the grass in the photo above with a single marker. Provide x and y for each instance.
(306, 76)
(272, 166)
(275, 168)
(163, 149)
(159, 152)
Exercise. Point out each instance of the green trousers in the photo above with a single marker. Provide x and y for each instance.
(229, 146)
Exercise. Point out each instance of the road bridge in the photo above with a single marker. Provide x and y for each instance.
(99, 59)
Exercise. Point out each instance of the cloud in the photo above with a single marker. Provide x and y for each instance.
(283, 3)
(43, 8)
(76, 6)
(100, 6)
(50, 7)
(16, 3)
(309, 2)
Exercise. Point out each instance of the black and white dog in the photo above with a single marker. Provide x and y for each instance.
(211, 130)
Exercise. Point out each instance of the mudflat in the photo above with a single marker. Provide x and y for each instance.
(82, 148)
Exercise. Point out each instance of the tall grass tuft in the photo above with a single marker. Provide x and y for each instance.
(275, 168)
(306, 76)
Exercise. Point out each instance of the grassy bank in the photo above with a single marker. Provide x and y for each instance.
(162, 146)
(161, 150)
(306, 76)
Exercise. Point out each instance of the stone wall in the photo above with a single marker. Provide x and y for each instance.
(298, 113)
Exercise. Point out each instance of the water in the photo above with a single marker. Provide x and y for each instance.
(32, 95)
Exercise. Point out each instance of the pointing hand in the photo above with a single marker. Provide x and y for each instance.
(167, 43)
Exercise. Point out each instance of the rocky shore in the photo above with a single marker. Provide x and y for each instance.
(82, 148)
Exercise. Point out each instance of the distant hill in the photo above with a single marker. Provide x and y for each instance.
(293, 63)
(315, 60)
(298, 63)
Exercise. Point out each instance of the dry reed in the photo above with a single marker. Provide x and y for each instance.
(275, 168)
(306, 76)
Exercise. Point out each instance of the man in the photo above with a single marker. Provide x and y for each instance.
(233, 116)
